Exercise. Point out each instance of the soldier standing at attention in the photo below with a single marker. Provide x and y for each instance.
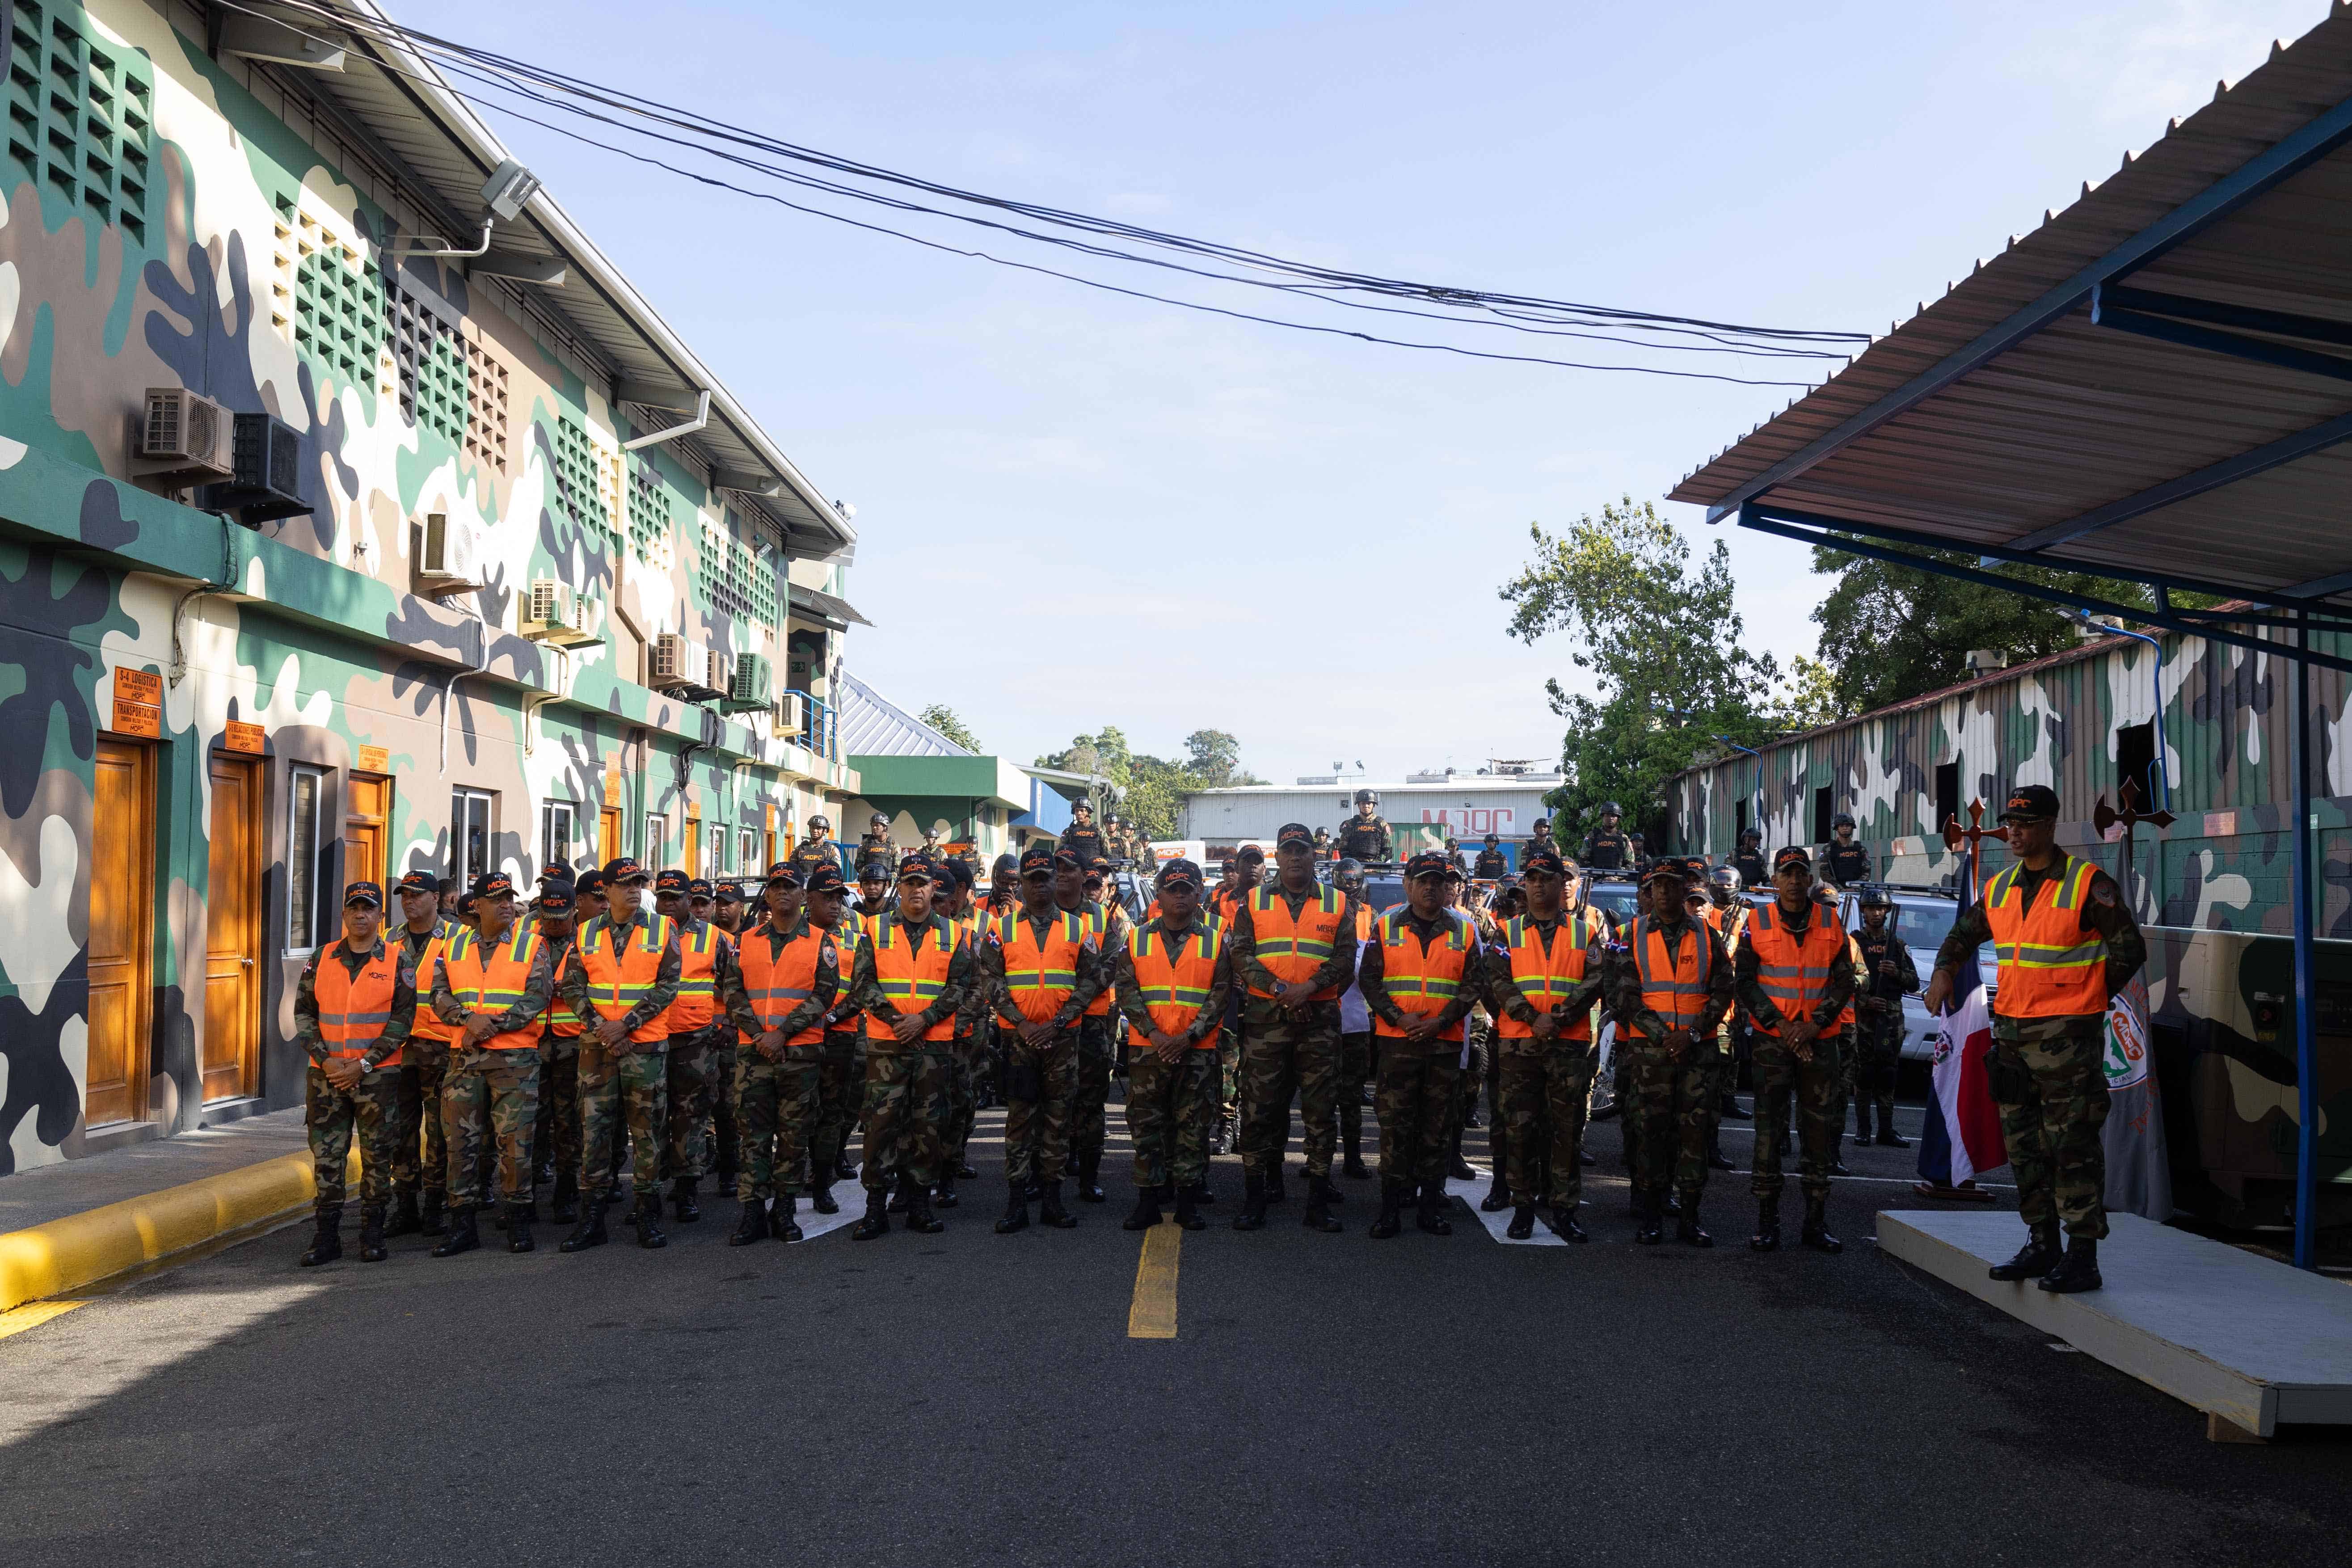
(727, 908)
(841, 1074)
(818, 848)
(1042, 968)
(1492, 864)
(1847, 864)
(1082, 839)
(705, 956)
(912, 972)
(449, 889)
(491, 984)
(874, 848)
(718, 1122)
(1418, 974)
(424, 1059)
(952, 902)
(1355, 1031)
(556, 1142)
(1609, 847)
(1097, 1026)
(624, 970)
(776, 998)
(1292, 947)
(1543, 839)
(2066, 944)
(1322, 844)
(1365, 836)
(1796, 976)
(1241, 875)
(873, 889)
(1887, 973)
(353, 1008)
(1672, 991)
(1749, 859)
(1172, 976)
(1551, 970)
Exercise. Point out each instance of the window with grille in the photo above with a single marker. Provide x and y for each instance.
(649, 513)
(736, 579)
(469, 834)
(486, 405)
(310, 879)
(328, 296)
(428, 357)
(81, 114)
(747, 851)
(587, 484)
(557, 832)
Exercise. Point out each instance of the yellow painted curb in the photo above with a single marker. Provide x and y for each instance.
(83, 1248)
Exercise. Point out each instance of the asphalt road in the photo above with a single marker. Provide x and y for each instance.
(972, 1398)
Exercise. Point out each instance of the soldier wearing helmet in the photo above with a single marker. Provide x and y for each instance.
(1365, 836)
(1848, 862)
(1749, 859)
(874, 849)
(1609, 847)
(818, 848)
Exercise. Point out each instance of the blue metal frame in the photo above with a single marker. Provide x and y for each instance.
(2307, 1022)
(2237, 345)
(2219, 314)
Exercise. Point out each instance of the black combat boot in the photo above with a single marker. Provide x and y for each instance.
(877, 1222)
(1253, 1215)
(1188, 1209)
(750, 1226)
(590, 1231)
(1354, 1169)
(1459, 1170)
(1432, 1215)
(1816, 1234)
(327, 1244)
(781, 1223)
(1837, 1154)
(1562, 1224)
(1523, 1222)
(433, 1219)
(1498, 1193)
(1202, 1195)
(1861, 1122)
(1016, 1208)
(518, 1222)
(647, 1219)
(1392, 1218)
(563, 1205)
(1273, 1189)
(1146, 1213)
(2038, 1256)
(1050, 1210)
(843, 1171)
(944, 1195)
(1686, 1229)
(372, 1247)
(687, 1201)
(1650, 1210)
(920, 1217)
(1318, 1214)
(1089, 1190)
(821, 1196)
(405, 1221)
(897, 1203)
(463, 1235)
(1887, 1136)
(1729, 1108)
(1671, 1205)
(2078, 1271)
(1768, 1226)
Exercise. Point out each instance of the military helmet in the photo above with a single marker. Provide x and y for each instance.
(1004, 866)
(1875, 897)
(1842, 819)
(1728, 878)
(821, 820)
(1610, 809)
(878, 820)
(1349, 874)
(1366, 797)
(1755, 834)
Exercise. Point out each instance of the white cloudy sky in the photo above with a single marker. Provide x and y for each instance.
(1078, 509)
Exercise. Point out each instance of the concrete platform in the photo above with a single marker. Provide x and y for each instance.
(2244, 1338)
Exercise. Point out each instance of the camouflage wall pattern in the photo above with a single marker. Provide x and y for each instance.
(172, 220)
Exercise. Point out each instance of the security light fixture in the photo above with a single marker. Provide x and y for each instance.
(510, 188)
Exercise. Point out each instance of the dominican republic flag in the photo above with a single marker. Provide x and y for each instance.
(1965, 1140)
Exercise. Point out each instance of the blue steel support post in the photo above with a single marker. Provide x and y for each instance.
(2307, 1022)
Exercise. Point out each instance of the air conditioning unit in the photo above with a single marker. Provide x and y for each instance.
(549, 611)
(587, 620)
(717, 672)
(183, 434)
(265, 472)
(792, 711)
(678, 664)
(453, 555)
(753, 685)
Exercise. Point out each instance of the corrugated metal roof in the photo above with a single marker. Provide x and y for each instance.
(874, 726)
(2001, 410)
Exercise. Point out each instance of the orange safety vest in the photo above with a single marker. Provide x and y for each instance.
(1793, 970)
(1673, 987)
(560, 1020)
(698, 978)
(1422, 978)
(1099, 927)
(427, 1026)
(355, 1010)
(2050, 966)
(778, 980)
(619, 982)
(1175, 989)
(1545, 978)
(911, 975)
(1295, 946)
(1040, 977)
(493, 978)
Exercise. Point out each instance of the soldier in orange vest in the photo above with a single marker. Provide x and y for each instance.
(624, 972)
(706, 956)
(2066, 943)
(1672, 989)
(557, 1140)
(1796, 977)
(490, 984)
(1241, 876)
(1550, 970)
(1082, 893)
(420, 1161)
(952, 900)
(353, 1007)
(1173, 972)
(1042, 967)
(1355, 1034)
(1293, 946)
(913, 970)
(787, 974)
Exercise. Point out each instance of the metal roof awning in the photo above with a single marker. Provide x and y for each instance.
(2154, 385)
(836, 613)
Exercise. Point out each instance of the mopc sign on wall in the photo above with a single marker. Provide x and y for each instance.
(1474, 821)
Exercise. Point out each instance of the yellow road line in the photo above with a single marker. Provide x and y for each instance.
(32, 1314)
(1152, 1315)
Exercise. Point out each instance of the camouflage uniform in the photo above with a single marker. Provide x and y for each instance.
(1089, 1116)
(1417, 1082)
(371, 1107)
(1365, 839)
(906, 1097)
(1546, 1084)
(623, 1084)
(489, 1099)
(811, 853)
(1283, 1053)
(1750, 865)
(1491, 864)
(1607, 851)
(1846, 865)
(1817, 1085)
(874, 849)
(695, 1071)
(775, 1098)
(2048, 1074)
(557, 1140)
(420, 1155)
(1670, 1110)
(1169, 1105)
(1878, 1034)
(1039, 1079)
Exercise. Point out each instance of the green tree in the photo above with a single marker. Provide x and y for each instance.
(949, 722)
(1214, 758)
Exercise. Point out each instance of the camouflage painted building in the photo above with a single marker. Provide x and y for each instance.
(330, 546)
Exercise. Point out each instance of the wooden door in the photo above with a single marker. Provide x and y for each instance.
(365, 823)
(232, 1050)
(608, 836)
(691, 856)
(121, 933)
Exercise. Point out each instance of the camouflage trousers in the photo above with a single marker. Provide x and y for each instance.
(722, 1130)
(1169, 1108)
(1476, 1032)
(1878, 1050)
(1670, 1113)
(1229, 1071)
(1038, 1080)
(906, 1106)
(372, 1109)
(2052, 1095)
(775, 1103)
(963, 1100)
(1544, 1089)
(840, 1082)
(1282, 1055)
(557, 1142)
(1090, 1092)
(1355, 1071)
(1817, 1088)
(617, 1091)
(419, 1155)
(489, 1099)
(1414, 1102)
(686, 1144)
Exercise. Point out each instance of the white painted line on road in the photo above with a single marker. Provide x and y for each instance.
(1471, 1190)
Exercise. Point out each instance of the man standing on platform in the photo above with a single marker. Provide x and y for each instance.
(1847, 864)
(1365, 836)
(1609, 847)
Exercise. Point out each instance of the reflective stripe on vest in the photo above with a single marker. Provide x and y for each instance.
(493, 979)
(560, 1020)
(1422, 978)
(426, 1026)
(697, 979)
(1673, 986)
(1040, 977)
(1174, 990)
(911, 974)
(617, 982)
(355, 1010)
(1294, 948)
(1793, 969)
(1098, 926)
(2049, 966)
(1546, 979)
(777, 981)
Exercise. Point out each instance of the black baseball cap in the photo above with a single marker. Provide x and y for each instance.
(1428, 863)
(2031, 803)
(1039, 859)
(1293, 833)
(557, 899)
(915, 869)
(589, 881)
(366, 893)
(700, 887)
(624, 869)
(1250, 852)
(418, 882)
(1182, 873)
(673, 881)
(728, 893)
(825, 878)
(1069, 858)
(1790, 855)
(490, 884)
(1543, 860)
(1677, 869)
(465, 903)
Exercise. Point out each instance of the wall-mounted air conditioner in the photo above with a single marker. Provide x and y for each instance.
(185, 434)
(679, 664)
(547, 612)
(452, 561)
(753, 685)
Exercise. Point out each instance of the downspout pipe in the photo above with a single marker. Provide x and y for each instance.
(449, 691)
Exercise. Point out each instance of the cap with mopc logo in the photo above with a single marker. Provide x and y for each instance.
(364, 894)
(1179, 874)
(623, 869)
(418, 882)
(491, 885)
(2031, 803)
(673, 881)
